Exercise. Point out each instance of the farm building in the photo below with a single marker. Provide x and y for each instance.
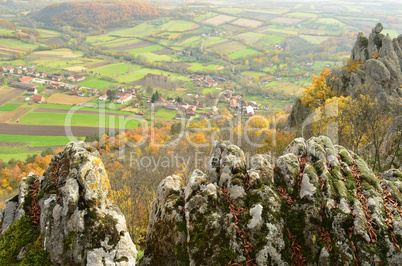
(56, 77)
(78, 77)
(125, 98)
(23, 85)
(32, 91)
(179, 116)
(234, 104)
(38, 99)
(103, 97)
(26, 79)
(250, 111)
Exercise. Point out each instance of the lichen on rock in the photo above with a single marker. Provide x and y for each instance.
(78, 222)
(211, 221)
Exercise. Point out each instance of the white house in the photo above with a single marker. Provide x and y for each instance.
(125, 98)
(103, 98)
(250, 110)
(179, 117)
(32, 91)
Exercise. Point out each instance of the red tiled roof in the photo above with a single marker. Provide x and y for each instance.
(38, 98)
(25, 79)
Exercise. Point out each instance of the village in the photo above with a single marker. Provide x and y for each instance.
(190, 107)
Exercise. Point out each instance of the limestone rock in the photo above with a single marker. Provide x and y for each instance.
(378, 28)
(379, 73)
(360, 51)
(78, 220)
(206, 224)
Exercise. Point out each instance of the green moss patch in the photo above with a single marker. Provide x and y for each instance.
(21, 234)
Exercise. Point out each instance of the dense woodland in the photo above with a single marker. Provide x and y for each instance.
(85, 14)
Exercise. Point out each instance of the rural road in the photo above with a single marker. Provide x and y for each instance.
(40, 130)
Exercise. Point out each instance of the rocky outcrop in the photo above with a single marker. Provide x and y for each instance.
(318, 203)
(379, 74)
(71, 206)
(381, 68)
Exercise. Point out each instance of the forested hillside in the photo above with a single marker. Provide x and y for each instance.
(85, 14)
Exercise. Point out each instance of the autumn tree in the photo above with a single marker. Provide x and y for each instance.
(378, 123)
(316, 95)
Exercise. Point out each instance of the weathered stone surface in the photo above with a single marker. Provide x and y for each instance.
(378, 28)
(202, 224)
(379, 74)
(360, 51)
(78, 221)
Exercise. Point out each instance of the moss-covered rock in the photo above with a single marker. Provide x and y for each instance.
(22, 244)
(78, 222)
(209, 221)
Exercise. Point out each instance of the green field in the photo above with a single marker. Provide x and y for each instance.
(253, 74)
(179, 25)
(165, 114)
(76, 120)
(96, 83)
(19, 147)
(190, 42)
(302, 15)
(329, 21)
(147, 49)
(392, 33)
(120, 42)
(135, 72)
(17, 44)
(275, 31)
(48, 33)
(275, 39)
(35, 141)
(112, 70)
(158, 58)
(141, 72)
(228, 48)
(205, 16)
(315, 39)
(141, 30)
(6, 31)
(9, 107)
(100, 39)
(200, 67)
(67, 107)
(243, 53)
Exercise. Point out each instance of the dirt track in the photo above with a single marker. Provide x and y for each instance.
(37, 130)
(10, 95)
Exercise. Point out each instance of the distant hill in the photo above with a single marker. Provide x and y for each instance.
(95, 14)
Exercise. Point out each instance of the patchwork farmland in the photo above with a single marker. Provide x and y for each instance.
(271, 51)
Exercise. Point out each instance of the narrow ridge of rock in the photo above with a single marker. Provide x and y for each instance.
(337, 210)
